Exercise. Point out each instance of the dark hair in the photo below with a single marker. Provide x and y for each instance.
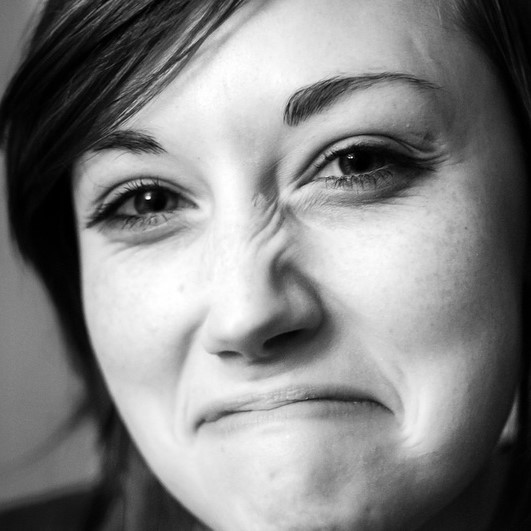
(502, 28)
(90, 65)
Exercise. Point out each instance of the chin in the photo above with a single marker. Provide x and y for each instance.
(282, 498)
(299, 512)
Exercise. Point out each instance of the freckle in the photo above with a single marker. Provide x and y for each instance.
(272, 475)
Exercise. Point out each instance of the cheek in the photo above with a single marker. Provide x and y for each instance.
(433, 294)
(136, 306)
(141, 310)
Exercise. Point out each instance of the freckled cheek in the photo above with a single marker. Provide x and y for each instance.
(436, 289)
(423, 281)
(458, 335)
(431, 292)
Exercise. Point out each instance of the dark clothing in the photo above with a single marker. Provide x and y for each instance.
(66, 512)
(89, 510)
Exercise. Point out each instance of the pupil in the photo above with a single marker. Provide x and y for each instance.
(151, 201)
(353, 163)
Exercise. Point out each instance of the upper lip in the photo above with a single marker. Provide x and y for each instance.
(274, 399)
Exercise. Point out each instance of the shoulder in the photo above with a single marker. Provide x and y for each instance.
(56, 512)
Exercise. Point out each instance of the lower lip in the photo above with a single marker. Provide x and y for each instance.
(324, 410)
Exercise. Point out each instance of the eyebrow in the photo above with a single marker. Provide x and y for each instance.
(318, 97)
(132, 141)
(302, 105)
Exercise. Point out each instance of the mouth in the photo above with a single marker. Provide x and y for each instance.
(287, 403)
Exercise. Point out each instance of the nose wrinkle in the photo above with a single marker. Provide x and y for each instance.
(255, 245)
(267, 218)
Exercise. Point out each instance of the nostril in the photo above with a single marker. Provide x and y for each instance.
(228, 354)
(281, 340)
(261, 320)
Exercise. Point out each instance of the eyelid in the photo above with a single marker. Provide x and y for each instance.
(399, 153)
(376, 145)
(113, 191)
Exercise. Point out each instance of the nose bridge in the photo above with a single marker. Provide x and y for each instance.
(249, 251)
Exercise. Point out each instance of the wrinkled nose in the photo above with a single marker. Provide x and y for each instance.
(261, 305)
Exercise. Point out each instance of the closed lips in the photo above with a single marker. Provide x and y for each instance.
(281, 398)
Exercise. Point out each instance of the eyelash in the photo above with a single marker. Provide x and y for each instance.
(376, 179)
(107, 211)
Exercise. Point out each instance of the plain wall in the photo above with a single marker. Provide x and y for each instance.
(37, 390)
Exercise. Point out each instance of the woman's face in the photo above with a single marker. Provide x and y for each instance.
(301, 268)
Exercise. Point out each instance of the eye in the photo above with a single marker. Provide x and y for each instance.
(141, 205)
(369, 170)
(360, 161)
(150, 201)
(355, 160)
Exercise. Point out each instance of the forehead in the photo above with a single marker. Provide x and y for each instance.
(271, 48)
(336, 32)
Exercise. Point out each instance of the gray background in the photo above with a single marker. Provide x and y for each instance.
(37, 391)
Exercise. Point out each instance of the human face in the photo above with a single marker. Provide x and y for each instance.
(308, 318)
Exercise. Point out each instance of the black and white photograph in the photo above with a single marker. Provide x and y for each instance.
(265, 265)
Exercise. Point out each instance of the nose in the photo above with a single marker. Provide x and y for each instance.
(260, 307)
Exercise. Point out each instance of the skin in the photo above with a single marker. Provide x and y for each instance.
(266, 280)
